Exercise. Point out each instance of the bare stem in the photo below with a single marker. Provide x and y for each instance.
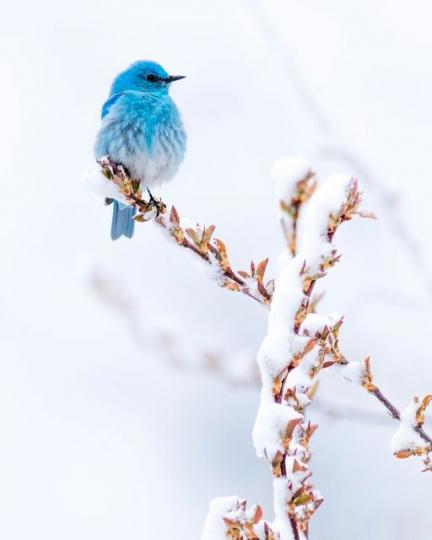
(395, 414)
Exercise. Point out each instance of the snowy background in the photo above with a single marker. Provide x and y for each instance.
(101, 438)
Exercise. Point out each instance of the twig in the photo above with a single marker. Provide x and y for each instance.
(296, 194)
(297, 346)
(411, 439)
(290, 207)
(395, 414)
(193, 237)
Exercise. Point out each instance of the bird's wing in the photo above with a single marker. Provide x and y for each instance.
(109, 103)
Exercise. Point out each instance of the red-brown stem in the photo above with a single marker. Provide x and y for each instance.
(227, 272)
(294, 527)
(395, 414)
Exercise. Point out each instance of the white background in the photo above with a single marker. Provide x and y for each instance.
(100, 438)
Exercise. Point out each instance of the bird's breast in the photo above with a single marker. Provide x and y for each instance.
(146, 136)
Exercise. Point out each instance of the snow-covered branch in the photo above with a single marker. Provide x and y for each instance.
(188, 234)
(297, 346)
(295, 183)
(410, 438)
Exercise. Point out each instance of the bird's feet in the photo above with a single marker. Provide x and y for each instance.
(158, 204)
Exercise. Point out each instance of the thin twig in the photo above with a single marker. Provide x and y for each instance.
(196, 239)
(395, 414)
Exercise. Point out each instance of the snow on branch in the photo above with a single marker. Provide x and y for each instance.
(295, 183)
(297, 346)
(192, 236)
(410, 438)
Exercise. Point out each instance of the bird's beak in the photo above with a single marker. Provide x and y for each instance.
(173, 78)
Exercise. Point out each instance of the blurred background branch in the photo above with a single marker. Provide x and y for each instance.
(337, 145)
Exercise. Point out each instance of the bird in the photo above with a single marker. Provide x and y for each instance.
(142, 130)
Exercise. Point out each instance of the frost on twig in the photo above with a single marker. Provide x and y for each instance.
(295, 184)
(229, 518)
(410, 438)
(194, 237)
(297, 346)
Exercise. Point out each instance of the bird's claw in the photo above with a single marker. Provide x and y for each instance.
(158, 204)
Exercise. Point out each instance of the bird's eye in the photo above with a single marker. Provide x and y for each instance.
(151, 77)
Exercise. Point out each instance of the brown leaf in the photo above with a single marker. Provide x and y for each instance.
(262, 290)
(208, 233)
(278, 382)
(174, 217)
(298, 467)
(258, 514)
(420, 413)
(367, 381)
(193, 234)
(222, 251)
(290, 428)
(276, 464)
(260, 270)
(403, 454)
(231, 286)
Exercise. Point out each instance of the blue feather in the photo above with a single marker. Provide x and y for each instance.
(108, 103)
(142, 130)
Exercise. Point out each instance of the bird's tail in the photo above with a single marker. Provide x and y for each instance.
(122, 222)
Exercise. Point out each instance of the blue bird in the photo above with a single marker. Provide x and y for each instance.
(142, 130)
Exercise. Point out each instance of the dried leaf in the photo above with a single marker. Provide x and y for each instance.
(174, 217)
(193, 234)
(289, 431)
(260, 270)
(298, 467)
(231, 286)
(261, 289)
(222, 252)
(403, 454)
(367, 381)
(257, 515)
(276, 464)
(208, 233)
(420, 413)
(278, 383)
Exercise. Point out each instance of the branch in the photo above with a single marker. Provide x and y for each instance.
(295, 195)
(193, 237)
(295, 184)
(297, 346)
(410, 439)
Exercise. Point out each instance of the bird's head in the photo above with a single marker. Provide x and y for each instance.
(145, 76)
